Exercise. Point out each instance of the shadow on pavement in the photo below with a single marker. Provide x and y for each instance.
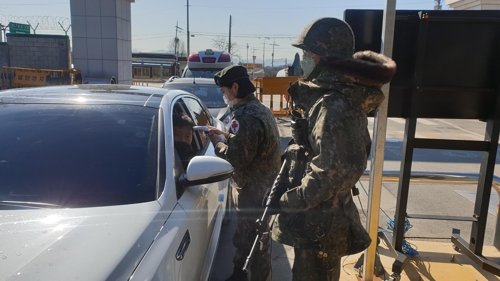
(281, 256)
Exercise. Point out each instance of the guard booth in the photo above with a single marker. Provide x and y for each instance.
(449, 68)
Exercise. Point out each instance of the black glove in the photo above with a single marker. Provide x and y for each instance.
(274, 206)
(298, 127)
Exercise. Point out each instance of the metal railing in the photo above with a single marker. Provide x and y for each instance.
(271, 88)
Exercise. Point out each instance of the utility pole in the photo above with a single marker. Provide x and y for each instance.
(229, 44)
(188, 52)
(264, 56)
(272, 60)
(176, 53)
(247, 54)
(438, 5)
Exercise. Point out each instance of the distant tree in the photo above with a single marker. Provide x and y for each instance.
(181, 47)
(220, 43)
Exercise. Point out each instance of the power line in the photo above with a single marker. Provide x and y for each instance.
(37, 4)
(302, 8)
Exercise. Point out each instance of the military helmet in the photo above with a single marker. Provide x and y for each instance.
(327, 37)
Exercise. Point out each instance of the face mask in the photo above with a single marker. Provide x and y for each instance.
(231, 103)
(182, 147)
(307, 64)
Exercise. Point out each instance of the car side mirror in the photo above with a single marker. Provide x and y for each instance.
(206, 169)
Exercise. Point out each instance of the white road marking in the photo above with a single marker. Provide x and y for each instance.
(426, 122)
(460, 128)
(398, 120)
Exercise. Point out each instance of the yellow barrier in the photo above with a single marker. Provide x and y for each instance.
(20, 77)
(270, 87)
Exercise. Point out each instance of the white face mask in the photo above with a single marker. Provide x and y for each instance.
(307, 64)
(231, 103)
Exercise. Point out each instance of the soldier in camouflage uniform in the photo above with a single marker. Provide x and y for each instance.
(253, 148)
(331, 144)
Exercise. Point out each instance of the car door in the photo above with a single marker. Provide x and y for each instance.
(202, 117)
(194, 201)
(185, 247)
(179, 249)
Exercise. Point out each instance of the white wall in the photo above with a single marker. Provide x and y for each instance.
(102, 45)
(474, 4)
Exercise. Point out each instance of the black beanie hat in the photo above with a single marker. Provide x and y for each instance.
(235, 74)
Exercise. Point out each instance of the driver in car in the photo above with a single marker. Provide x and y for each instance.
(183, 137)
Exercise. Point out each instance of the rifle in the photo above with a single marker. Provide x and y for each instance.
(263, 218)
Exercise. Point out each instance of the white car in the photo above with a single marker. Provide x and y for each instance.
(208, 92)
(205, 64)
(91, 187)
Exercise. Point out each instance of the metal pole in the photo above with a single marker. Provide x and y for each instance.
(274, 44)
(229, 44)
(379, 135)
(247, 54)
(188, 52)
(264, 57)
(176, 41)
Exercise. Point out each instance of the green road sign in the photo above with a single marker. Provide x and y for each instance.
(19, 28)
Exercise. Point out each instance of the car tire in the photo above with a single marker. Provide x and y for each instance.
(229, 206)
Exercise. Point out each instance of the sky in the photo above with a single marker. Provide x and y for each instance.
(259, 24)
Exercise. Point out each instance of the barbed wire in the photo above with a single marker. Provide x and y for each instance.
(43, 22)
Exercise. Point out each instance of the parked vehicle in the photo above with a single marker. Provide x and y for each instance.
(205, 64)
(208, 92)
(93, 189)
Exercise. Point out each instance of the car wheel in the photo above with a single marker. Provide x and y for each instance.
(229, 206)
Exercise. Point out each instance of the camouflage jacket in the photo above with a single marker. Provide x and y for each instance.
(321, 208)
(253, 148)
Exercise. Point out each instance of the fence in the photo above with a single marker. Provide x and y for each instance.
(273, 90)
(18, 77)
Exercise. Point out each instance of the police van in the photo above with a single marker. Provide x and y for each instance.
(205, 64)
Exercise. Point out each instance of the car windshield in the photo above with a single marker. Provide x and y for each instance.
(209, 94)
(201, 72)
(78, 156)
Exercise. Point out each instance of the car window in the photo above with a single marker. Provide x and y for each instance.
(210, 95)
(78, 156)
(200, 116)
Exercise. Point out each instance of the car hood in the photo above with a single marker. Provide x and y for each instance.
(102, 243)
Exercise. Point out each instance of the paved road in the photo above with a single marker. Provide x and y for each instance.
(453, 200)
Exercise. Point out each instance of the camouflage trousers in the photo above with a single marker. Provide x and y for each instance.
(308, 267)
(260, 269)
